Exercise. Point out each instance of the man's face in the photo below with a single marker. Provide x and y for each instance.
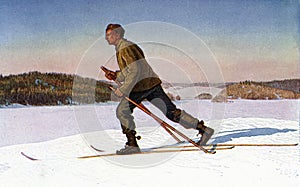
(112, 37)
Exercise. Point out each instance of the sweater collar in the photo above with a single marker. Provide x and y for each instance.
(118, 46)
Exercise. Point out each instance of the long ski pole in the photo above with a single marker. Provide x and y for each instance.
(166, 125)
(163, 123)
(143, 108)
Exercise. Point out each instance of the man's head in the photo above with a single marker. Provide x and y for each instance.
(114, 32)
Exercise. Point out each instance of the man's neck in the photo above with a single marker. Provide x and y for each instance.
(117, 42)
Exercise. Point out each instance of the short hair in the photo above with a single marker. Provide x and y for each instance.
(117, 28)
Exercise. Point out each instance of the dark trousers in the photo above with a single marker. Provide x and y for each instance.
(158, 98)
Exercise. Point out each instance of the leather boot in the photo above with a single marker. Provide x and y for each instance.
(131, 145)
(206, 133)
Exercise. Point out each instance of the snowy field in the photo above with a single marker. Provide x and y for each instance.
(58, 135)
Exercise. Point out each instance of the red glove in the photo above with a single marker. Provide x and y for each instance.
(111, 75)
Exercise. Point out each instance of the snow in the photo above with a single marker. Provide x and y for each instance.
(59, 134)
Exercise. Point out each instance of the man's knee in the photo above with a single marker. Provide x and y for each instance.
(118, 112)
(123, 110)
(174, 115)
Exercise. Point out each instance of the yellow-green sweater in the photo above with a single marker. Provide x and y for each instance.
(135, 71)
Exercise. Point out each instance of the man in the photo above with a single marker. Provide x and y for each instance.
(140, 83)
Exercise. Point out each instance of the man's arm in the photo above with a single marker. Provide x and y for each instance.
(120, 76)
(131, 72)
(131, 57)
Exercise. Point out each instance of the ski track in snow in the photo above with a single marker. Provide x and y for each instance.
(59, 134)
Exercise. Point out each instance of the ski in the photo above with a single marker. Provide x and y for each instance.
(257, 145)
(218, 146)
(145, 151)
(235, 145)
(176, 148)
(155, 150)
(208, 147)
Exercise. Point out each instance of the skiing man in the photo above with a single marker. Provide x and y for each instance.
(140, 83)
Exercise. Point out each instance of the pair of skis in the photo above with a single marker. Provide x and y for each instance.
(169, 149)
(186, 148)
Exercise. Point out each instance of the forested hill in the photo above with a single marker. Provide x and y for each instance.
(37, 89)
(288, 84)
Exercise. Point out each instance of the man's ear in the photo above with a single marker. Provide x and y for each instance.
(118, 35)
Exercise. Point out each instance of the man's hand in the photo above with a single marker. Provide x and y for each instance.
(118, 92)
(110, 75)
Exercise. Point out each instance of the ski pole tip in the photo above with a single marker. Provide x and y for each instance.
(211, 152)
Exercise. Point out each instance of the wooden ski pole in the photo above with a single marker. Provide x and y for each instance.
(143, 108)
(165, 125)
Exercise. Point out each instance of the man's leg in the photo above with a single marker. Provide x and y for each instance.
(160, 99)
(124, 114)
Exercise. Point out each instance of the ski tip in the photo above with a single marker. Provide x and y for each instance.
(30, 158)
(210, 151)
(99, 150)
(213, 152)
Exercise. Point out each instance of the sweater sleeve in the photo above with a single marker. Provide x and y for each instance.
(120, 76)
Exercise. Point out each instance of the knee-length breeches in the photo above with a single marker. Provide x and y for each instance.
(158, 98)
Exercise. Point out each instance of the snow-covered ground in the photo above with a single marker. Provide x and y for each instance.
(59, 134)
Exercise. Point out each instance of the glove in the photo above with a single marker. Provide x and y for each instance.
(111, 75)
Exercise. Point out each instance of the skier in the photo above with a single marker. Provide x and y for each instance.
(140, 83)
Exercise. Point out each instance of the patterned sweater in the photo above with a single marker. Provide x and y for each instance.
(135, 71)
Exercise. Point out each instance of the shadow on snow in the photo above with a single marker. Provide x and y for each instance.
(248, 133)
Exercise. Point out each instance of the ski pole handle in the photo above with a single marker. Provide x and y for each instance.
(107, 71)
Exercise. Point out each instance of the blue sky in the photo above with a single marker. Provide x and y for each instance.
(245, 36)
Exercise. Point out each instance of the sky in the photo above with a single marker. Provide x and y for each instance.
(245, 40)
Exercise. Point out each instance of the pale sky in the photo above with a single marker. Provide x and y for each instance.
(237, 40)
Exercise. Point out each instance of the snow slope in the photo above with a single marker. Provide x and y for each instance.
(59, 134)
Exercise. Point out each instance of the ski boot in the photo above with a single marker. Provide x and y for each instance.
(205, 132)
(131, 145)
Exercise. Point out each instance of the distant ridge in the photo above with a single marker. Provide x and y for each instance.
(35, 88)
(286, 84)
(277, 89)
(261, 91)
(38, 89)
